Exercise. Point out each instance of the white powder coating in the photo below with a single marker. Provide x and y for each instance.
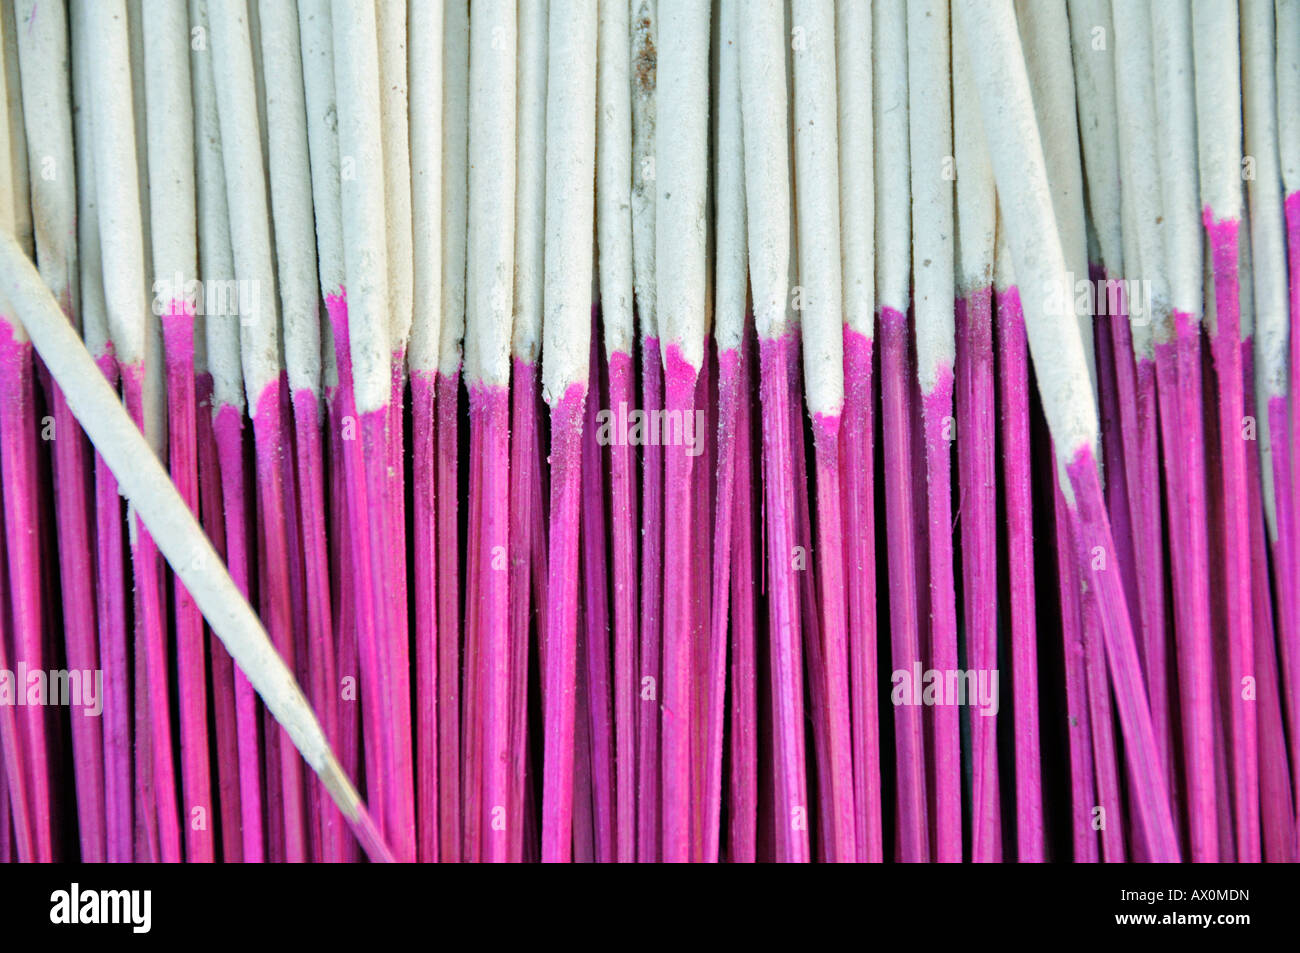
(767, 162)
(391, 17)
(1288, 91)
(1045, 30)
(169, 122)
(116, 182)
(491, 263)
(7, 197)
(731, 278)
(455, 182)
(645, 61)
(250, 233)
(17, 150)
(530, 179)
(1218, 105)
(681, 175)
(317, 37)
(817, 213)
(216, 259)
(1025, 197)
(614, 175)
(142, 480)
(893, 165)
(857, 165)
(1268, 238)
(1140, 172)
(1091, 31)
(94, 311)
(570, 198)
(1171, 27)
(426, 184)
(291, 198)
(43, 54)
(930, 144)
(365, 249)
(1004, 272)
(976, 193)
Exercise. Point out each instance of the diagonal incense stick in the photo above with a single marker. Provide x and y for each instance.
(1060, 362)
(181, 539)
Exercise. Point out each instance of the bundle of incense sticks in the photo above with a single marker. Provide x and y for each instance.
(435, 432)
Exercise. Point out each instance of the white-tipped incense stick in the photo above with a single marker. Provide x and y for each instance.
(817, 214)
(1046, 44)
(425, 38)
(681, 177)
(391, 16)
(570, 177)
(614, 173)
(1268, 246)
(1059, 360)
(455, 183)
(644, 28)
(853, 61)
(178, 533)
(930, 146)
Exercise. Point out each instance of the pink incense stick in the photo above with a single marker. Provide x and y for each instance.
(730, 284)
(424, 38)
(571, 132)
(1013, 393)
(930, 130)
(48, 131)
(743, 807)
(680, 189)
(492, 145)
(15, 782)
(1144, 260)
(1272, 332)
(121, 232)
(893, 213)
(1077, 710)
(247, 204)
(596, 625)
(398, 281)
(1008, 108)
(615, 249)
(977, 450)
(644, 57)
(231, 688)
(857, 437)
(818, 193)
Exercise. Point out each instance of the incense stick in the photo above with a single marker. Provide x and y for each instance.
(1059, 359)
(571, 133)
